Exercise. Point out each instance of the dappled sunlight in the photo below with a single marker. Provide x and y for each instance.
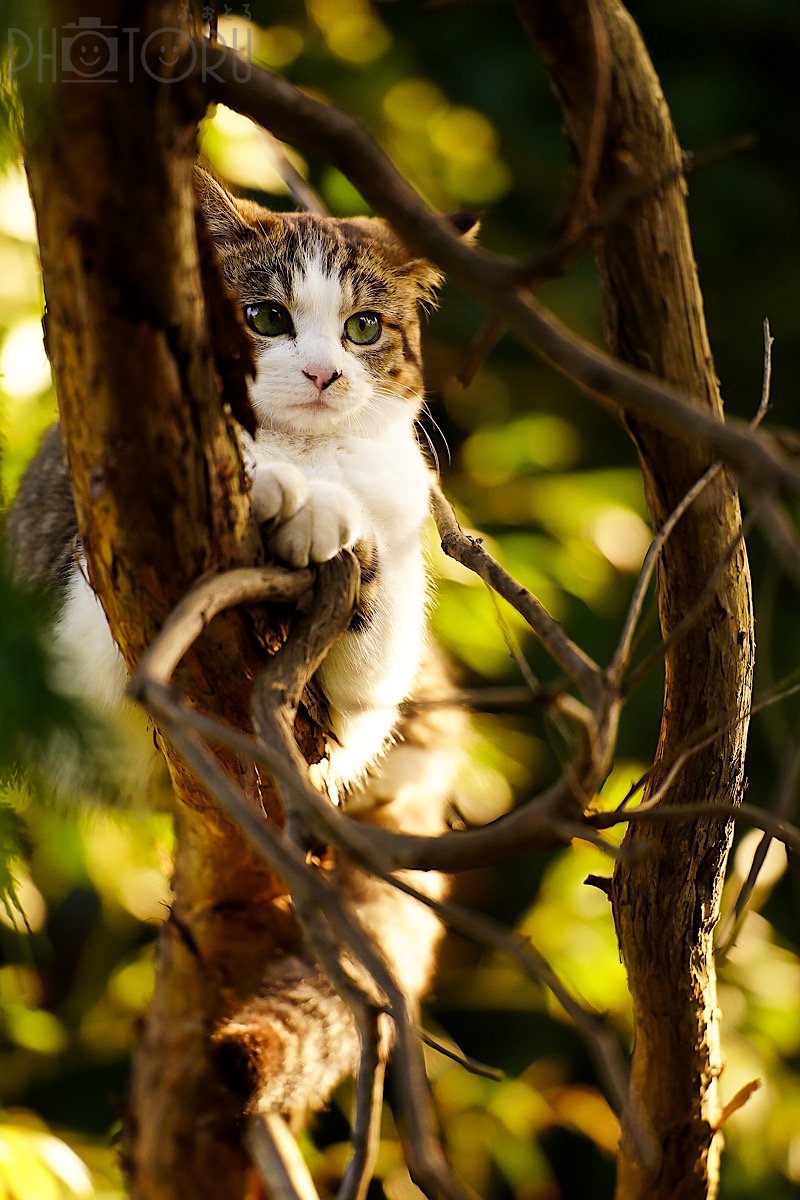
(241, 151)
(24, 369)
(17, 219)
(354, 32)
(550, 485)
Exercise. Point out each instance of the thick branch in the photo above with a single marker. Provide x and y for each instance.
(162, 499)
(665, 911)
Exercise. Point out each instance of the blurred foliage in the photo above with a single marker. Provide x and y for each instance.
(462, 105)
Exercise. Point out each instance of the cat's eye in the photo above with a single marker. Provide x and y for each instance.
(363, 328)
(268, 319)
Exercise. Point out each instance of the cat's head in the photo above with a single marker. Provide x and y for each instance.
(333, 310)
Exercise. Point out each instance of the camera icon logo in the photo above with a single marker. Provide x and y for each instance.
(89, 52)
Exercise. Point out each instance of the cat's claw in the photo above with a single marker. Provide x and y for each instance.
(279, 491)
(329, 521)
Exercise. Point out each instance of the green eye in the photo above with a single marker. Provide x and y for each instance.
(363, 328)
(268, 319)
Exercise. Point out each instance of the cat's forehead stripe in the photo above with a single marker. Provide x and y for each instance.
(283, 246)
(318, 290)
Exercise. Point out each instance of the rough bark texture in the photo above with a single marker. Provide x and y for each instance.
(665, 908)
(161, 499)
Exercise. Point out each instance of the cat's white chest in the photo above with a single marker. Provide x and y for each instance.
(370, 671)
(387, 475)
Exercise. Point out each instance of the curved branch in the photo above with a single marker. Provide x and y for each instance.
(337, 136)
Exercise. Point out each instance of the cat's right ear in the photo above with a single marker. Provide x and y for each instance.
(466, 224)
(223, 218)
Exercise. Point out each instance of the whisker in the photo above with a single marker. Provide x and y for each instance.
(421, 429)
(439, 430)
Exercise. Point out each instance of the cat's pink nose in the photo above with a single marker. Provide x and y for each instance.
(322, 377)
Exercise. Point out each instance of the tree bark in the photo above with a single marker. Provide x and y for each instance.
(665, 907)
(162, 499)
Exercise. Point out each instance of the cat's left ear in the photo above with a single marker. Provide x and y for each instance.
(466, 223)
(429, 277)
(223, 215)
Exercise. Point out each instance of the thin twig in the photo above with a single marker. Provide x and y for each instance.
(575, 234)
(489, 699)
(766, 376)
(277, 1158)
(621, 657)
(464, 1060)
(747, 814)
(592, 156)
(781, 535)
(706, 734)
(478, 350)
(787, 795)
(470, 553)
(304, 195)
(690, 618)
(369, 1105)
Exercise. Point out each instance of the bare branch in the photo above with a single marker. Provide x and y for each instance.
(208, 598)
(577, 232)
(469, 1064)
(746, 814)
(490, 699)
(621, 657)
(478, 350)
(369, 1105)
(470, 553)
(278, 1159)
(766, 376)
(584, 202)
(690, 618)
(304, 195)
(785, 800)
(320, 128)
(781, 535)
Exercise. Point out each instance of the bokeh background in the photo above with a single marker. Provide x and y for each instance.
(460, 101)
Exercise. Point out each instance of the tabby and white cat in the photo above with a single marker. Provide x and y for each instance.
(333, 310)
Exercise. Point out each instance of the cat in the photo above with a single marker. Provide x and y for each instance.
(332, 307)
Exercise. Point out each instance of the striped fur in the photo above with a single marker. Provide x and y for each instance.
(340, 465)
(334, 463)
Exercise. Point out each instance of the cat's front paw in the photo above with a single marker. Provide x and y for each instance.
(279, 491)
(329, 521)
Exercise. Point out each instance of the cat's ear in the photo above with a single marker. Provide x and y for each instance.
(223, 218)
(465, 223)
(428, 277)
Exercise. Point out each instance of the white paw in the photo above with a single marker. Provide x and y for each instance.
(279, 490)
(329, 521)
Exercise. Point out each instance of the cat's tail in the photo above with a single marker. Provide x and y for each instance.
(297, 1038)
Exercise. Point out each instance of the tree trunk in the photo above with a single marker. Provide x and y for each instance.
(665, 907)
(162, 499)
